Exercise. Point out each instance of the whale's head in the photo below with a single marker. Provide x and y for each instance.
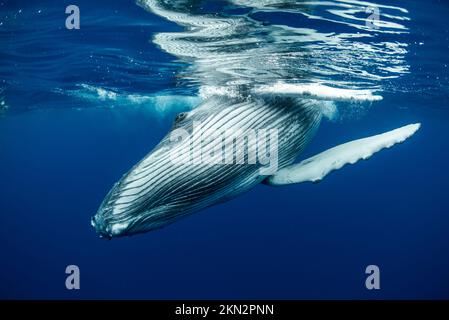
(154, 193)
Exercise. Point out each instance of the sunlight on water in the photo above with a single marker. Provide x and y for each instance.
(234, 54)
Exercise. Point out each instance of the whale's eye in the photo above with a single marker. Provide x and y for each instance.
(181, 116)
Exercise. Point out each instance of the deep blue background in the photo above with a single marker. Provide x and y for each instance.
(299, 241)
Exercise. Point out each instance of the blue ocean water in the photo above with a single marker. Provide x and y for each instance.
(81, 107)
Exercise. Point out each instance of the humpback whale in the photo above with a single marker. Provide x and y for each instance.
(159, 190)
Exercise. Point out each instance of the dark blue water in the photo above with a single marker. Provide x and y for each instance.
(79, 111)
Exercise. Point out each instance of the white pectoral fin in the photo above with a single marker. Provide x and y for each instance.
(317, 167)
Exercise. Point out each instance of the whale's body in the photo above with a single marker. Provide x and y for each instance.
(158, 191)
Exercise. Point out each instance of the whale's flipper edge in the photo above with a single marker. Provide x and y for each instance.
(317, 167)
